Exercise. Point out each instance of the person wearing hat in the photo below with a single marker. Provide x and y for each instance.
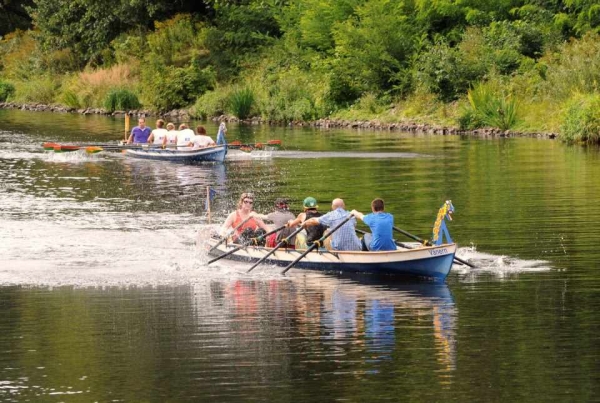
(279, 217)
(306, 237)
(345, 237)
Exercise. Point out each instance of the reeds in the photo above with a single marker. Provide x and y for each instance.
(492, 107)
(241, 102)
(121, 99)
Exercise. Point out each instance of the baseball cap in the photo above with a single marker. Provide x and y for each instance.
(310, 202)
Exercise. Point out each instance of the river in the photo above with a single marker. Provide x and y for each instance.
(105, 292)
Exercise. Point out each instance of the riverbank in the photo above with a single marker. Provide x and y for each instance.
(372, 125)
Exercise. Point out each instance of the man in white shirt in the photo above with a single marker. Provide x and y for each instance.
(201, 140)
(185, 135)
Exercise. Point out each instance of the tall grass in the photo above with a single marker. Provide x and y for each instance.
(241, 102)
(581, 119)
(90, 88)
(492, 107)
(121, 99)
(43, 89)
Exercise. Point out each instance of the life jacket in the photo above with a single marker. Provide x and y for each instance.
(251, 224)
(313, 232)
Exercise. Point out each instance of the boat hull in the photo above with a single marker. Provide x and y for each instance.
(209, 154)
(432, 262)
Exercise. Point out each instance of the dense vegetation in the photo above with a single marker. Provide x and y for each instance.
(530, 65)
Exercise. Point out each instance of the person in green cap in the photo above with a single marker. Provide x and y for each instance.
(306, 237)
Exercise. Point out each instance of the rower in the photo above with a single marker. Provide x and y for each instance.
(381, 225)
(185, 135)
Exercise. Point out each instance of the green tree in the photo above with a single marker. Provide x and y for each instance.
(13, 15)
(88, 26)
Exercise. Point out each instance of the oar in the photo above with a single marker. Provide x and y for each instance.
(317, 243)
(427, 243)
(238, 144)
(241, 246)
(403, 245)
(229, 234)
(279, 245)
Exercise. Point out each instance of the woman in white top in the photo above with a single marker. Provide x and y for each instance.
(171, 134)
(158, 135)
(185, 135)
(201, 140)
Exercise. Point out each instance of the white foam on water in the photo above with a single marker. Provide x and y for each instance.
(500, 266)
(254, 154)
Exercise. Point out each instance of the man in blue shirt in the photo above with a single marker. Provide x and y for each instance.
(381, 224)
(345, 237)
(140, 133)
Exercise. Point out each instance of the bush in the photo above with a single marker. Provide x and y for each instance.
(7, 90)
(170, 87)
(240, 102)
(212, 103)
(42, 89)
(581, 119)
(121, 99)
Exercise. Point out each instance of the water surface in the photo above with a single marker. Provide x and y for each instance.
(106, 295)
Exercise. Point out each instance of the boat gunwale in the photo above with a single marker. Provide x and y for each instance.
(338, 252)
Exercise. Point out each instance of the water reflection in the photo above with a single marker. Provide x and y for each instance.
(360, 324)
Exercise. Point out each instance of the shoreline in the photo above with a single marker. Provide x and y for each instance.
(324, 123)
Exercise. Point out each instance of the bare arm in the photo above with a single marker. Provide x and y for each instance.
(227, 225)
(261, 224)
(310, 222)
(259, 216)
(358, 214)
(292, 223)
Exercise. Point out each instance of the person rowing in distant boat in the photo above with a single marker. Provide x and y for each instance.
(158, 136)
(345, 237)
(305, 238)
(201, 139)
(279, 217)
(140, 133)
(185, 135)
(247, 226)
(171, 134)
(381, 225)
(221, 134)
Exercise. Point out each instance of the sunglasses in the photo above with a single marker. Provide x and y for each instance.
(248, 201)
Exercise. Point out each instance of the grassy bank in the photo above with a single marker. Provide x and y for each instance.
(526, 68)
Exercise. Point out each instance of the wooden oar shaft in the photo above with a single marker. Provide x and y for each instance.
(226, 254)
(279, 245)
(403, 245)
(314, 245)
(241, 246)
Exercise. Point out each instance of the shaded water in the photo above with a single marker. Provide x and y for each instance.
(105, 295)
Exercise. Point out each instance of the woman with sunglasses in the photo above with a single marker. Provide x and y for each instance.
(244, 230)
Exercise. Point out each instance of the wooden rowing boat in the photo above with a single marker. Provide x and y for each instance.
(214, 154)
(433, 262)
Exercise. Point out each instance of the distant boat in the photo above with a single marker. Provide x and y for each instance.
(212, 154)
(433, 262)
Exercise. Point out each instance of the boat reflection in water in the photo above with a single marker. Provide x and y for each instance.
(315, 323)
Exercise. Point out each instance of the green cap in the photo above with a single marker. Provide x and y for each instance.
(310, 202)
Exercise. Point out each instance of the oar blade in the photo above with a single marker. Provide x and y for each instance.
(93, 150)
